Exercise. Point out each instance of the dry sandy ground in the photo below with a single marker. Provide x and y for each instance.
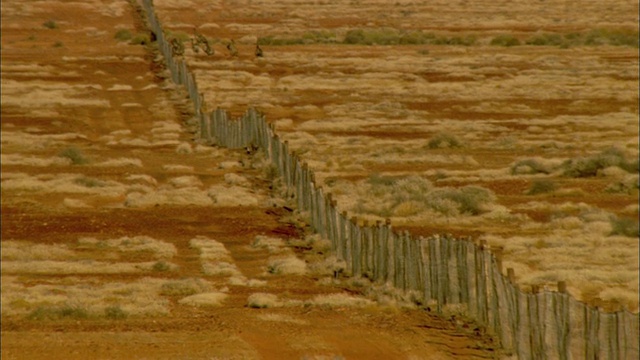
(518, 115)
(124, 239)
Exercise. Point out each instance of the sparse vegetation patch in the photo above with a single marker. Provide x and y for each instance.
(591, 165)
(50, 24)
(74, 154)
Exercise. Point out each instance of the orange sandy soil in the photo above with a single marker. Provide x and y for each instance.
(82, 50)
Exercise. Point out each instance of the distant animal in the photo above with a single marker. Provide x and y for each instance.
(259, 52)
(231, 46)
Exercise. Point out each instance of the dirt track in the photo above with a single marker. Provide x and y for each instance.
(75, 86)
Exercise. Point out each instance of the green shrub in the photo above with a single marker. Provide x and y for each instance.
(58, 44)
(355, 37)
(444, 140)
(181, 288)
(470, 200)
(589, 166)
(467, 40)
(611, 37)
(140, 39)
(547, 39)
(56, 313)
(89, 182)
(541, 187)
(390, 36)
(115, 312)
(505, 40)
(624, 226)
(161, 266)
(50, 24)
(123, 35)
(74, 154)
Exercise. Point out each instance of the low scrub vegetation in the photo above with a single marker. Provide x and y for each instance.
(529, 167)
(391, 36)
(505, 40)
(50, 24)
(624, 226)
(115, 313)
(541, 187)
(387, 196)
(58, 312)
(444, 141)
(592, 165)
(614, 37)
(74, 154)
(370, 36)
(123, 35)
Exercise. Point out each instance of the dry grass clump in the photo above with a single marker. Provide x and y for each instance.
(208, 299)
(184, 287)
(271, 244)
(62, 183)
(470, 200)
(80, 298)
(286, 265)
(386, 196)
(340, 301)
(28, 251)
(215, 258)
(530, 167)
(18, 159)
(263, 300)
(137, 244)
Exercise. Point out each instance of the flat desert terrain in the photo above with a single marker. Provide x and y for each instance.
(123, 236)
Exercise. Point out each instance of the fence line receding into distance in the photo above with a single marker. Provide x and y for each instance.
(441, 269)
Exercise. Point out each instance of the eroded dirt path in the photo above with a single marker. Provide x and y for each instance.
(94, 147)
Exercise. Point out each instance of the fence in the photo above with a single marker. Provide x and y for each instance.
(440, 269)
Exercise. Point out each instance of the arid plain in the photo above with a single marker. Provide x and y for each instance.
(123, 237)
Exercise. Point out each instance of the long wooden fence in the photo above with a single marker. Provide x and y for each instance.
(439, 269)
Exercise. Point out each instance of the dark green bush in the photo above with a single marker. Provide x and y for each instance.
(469, 200)
(74, 154)
(541, 187)
(444, 140)
(50, 24)
(123, 35)
(547, 39)
(56, 313)
(589, 166)
(505, 40)
(115, 312)
(624, 226)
